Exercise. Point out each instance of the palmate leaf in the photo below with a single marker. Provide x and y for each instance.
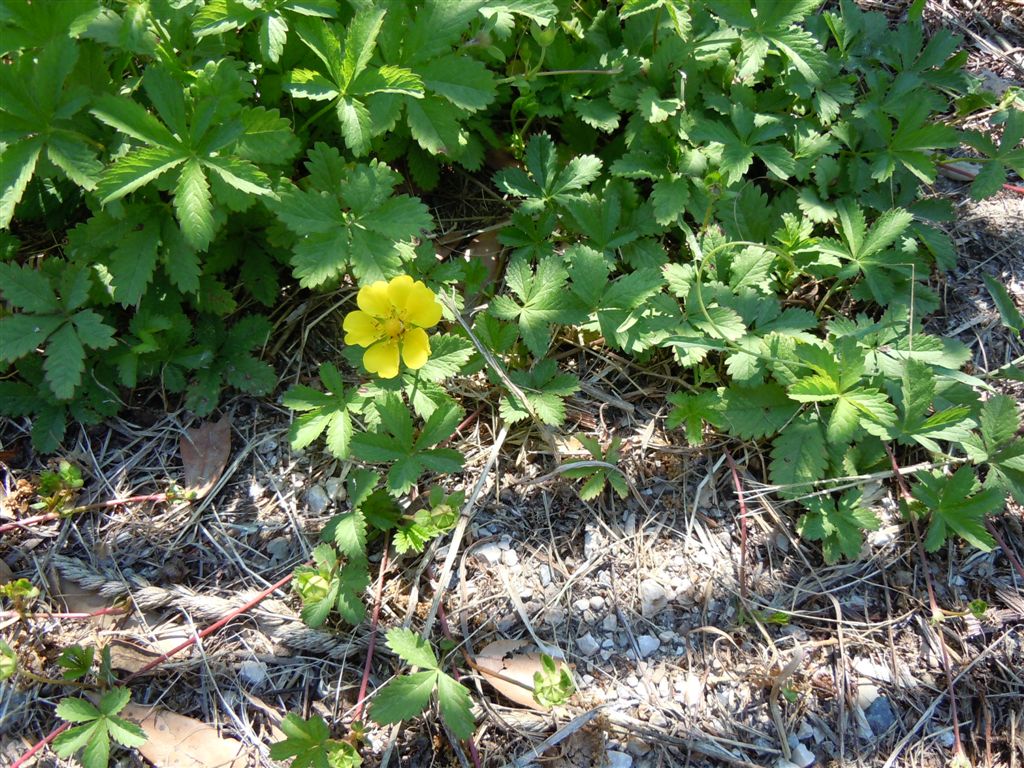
(955, 505)
(37, 111)
(323, 411)
(546, 389)
(347, 217)
(542, 298)
(839, 526)
(544, 181)
(220, 16)
(1009, 155)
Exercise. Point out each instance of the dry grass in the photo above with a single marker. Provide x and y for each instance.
(760, 646)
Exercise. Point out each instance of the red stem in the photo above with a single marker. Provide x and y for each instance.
(155, 497)
(21, 761)
(372, 644)
(933, 603)
(112, 611)
(474, 753)
(743, 523)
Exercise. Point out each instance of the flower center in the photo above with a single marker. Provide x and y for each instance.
(393, 327)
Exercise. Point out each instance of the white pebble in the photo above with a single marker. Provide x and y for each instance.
(587, 645)
(647, 644)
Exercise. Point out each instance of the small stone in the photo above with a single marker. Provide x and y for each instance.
(582, 604)
(880, 715)
(510, 558)
(597, 602)
(587, 645)
(653, 598)
(505, 542)
(526, 594)
(784, 763)
(335, 488)
(317, 499)
(610, 623)
(693, 691)
(545, 575)
(253, 672)
(647, 645)
(867, 693)
(616, 759)
(490, 552)
(802, 756)
(632, 681)
(279, 548)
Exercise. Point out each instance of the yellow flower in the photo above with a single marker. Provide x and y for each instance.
(390, 322)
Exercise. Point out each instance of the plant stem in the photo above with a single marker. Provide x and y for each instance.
(21, 761)
(933, 603)
(374, 621)
(743, 524)
(154, 497)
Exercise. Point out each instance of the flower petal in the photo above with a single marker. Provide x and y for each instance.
(382, 359)
(415, 348)
(361, 329)
(398, 292)
(421, 307)
(374, 300)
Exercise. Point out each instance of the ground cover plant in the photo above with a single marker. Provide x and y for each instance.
(735, 197)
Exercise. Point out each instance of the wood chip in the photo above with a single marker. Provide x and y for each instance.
(204, 452)
(509, 666)
(176, 741)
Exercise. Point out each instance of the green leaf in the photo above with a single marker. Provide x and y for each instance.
(456, 706)
(956, 506)
(135, 170)
(799, 456)
(17, 163)
(22, 334)
(65, 361)
(131, 119)
(403, 697)
(542, 301)
(350, 534)
(77, 710)
(76, 662)
(756, 412)
(691, 411)
(304, 740)
(999, 421)
(544, 183)
(74, 739)
(838, 526)
(1011, 316)
(27, 289)
(114, 700)
(132, 262)
(411, 648)
(194, 206)
(465, 82)
(126, 733)
(448, 354)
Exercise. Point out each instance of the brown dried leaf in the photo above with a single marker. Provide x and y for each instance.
(176, 741)
(509, 666)
(204, 452)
